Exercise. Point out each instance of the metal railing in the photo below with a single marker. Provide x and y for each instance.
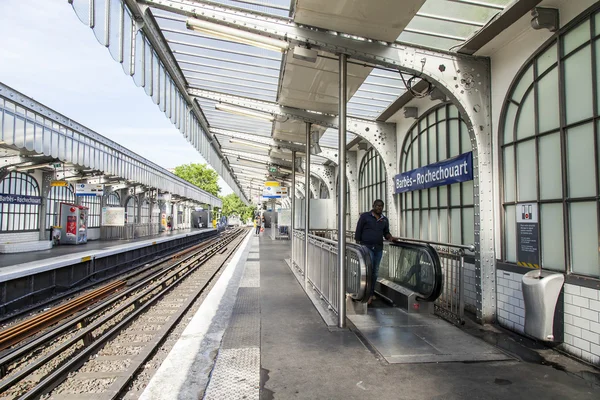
(450, 303)
(322, 268)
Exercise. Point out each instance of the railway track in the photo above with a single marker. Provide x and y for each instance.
(96, 353)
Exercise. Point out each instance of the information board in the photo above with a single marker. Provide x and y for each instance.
(113, 216)
(284, 217)
(528, 244)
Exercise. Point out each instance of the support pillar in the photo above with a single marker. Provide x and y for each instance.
(306, 204)
(342, 198)
(292, 193)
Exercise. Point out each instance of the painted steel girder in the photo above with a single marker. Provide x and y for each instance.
(465, 79)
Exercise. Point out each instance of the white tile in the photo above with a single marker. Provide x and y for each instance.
(573, 350)
(500, 289)
(573, 310)
(572, 289)
(591, 337)
(572, 330)
(581, 301)
(520, 312)
(510, 308)
(595, 327)
(568, 319)
(568, 339)
(514, 301)
(504, 298)
(595, 349)
(503, 314)
(502, 282)
(514, 318)
(594, 305)
(589, 357)
(568, 298)
(589, 315)
(589, 293)
(582, 323)
(515, 285)
(507, 275)
(500, 305)
(581, 344)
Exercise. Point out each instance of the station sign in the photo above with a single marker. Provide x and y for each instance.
(86, 189)
(447, 172)
(20, 199)
(528, 246)
(59, 183)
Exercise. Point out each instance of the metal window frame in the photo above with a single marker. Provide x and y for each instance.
(565, 200)
(19, 217)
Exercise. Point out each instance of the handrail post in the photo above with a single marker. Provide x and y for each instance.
(342, 197)
(292, 193)
(461, 285)
(306, 203)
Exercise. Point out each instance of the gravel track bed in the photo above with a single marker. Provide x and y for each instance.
(128, 343)
(28, 383)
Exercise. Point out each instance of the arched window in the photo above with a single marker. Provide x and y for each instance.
(145, 212)
(93, 203)
(113, 200)
(58, 194)
(549, 140)
(444, 213)
(337, 194)
(131, 210)
(21, 216)
(371, 180)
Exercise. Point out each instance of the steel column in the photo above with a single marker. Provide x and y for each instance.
(306, 205)
(342, 197)
(292, 193)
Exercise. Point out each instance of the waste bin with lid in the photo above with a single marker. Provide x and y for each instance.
(541, 290)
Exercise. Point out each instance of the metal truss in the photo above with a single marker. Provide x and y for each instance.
(465, 79)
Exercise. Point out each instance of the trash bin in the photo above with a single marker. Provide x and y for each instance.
(541, 290)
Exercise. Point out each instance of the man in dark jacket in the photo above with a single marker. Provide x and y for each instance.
(371, 228)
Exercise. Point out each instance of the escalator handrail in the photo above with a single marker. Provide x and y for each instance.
(437, 266)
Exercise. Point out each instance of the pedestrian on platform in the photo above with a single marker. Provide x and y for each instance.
(371, 228)
(258, 225)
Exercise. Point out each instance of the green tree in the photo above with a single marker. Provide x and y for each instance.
(233, 205)
(199, 175)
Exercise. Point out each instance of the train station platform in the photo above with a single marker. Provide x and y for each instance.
(258, 335)
(27, 278)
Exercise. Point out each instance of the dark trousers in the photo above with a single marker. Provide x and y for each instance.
(257, 229)
(376, 256)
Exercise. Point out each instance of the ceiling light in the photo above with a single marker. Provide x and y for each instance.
(243, 111)
(236, 35)
(258, 145)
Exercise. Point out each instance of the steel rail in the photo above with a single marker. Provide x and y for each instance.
(85, 318)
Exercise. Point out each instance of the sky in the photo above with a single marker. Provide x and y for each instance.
(49, 55)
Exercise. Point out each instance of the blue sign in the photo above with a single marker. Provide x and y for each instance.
(20, 199)
(447, 172)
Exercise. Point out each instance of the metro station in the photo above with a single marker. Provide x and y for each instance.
(450, 147)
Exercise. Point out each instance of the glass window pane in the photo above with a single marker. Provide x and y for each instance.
(526, 124)
(425, 225)
(552, 236)
(424, 149)
(550, 167)
(454, 137)
(432, 133)
(408, 229)
(441, 113)
(468, 226)
(578, 91)
(8, 128)
(424, 198)
(510, 233)
(452, 111)
(442, 137)
(454, 194)
(583, 229)
(417, 224)
(576, 37)
(433, 194)
(467, 193)
(580, 156)
(546, 59)
(509, 123)
(523, 85)
(597, 49)
(509, 173)
(465, 139)
(433, 215)
(456, 237)
(548, 106)
(443, 196)
(444, 226)
(526, 171)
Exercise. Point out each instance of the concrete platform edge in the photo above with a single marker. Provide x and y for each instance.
(185, 373)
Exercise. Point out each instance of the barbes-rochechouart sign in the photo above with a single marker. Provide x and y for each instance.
(447, 172)
(20, 199)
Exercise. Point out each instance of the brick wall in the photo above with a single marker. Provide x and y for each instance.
(582, 327)
(510, 306)
(470, 288)
(581, 315)
(19, 237)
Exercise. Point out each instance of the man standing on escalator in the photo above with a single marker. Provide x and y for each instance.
(371, 228)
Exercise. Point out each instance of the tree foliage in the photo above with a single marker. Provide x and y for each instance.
(201, 176)
(233, 205)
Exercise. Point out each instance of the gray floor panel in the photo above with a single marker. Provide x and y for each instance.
(404, 338)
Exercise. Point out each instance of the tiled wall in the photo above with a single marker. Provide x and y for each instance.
(511, 310)
(582, 328)
(581, 315)
(19, 237)
(470, 288)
